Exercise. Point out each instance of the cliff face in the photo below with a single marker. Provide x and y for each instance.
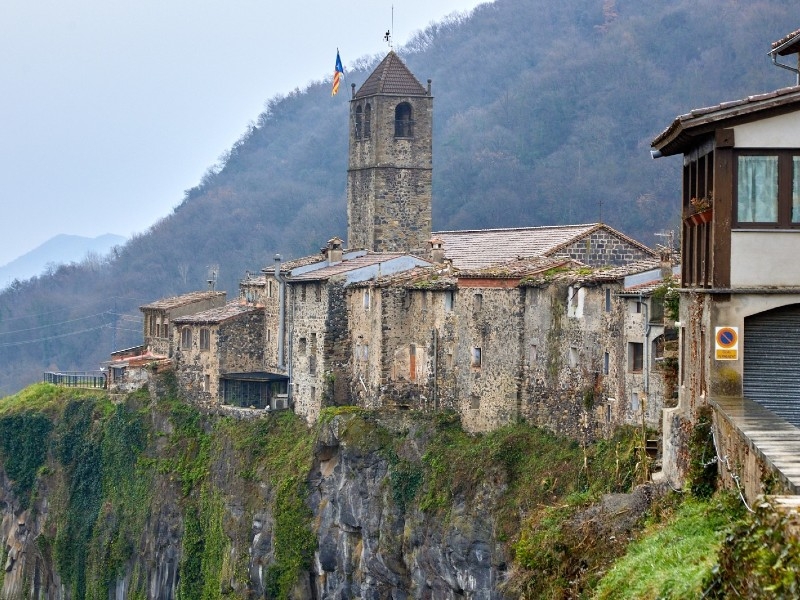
(141, 500)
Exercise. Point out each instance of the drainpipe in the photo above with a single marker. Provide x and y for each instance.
(646, 349)
(281, 311)
(435, 368)
(774, 54)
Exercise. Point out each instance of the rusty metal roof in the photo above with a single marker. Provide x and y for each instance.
(366, 260)
(681, 134)
(183, 300)
(391, 77)
(213, 316)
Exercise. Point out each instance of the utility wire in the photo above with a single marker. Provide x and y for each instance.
(54, 337)
(52, 324)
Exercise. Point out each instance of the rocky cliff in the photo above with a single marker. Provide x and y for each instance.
(149, 498)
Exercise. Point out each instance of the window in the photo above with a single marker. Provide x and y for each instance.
(658, 347)
(403, 124)
(367, 120)
(412, 362)
(449, 301)
(475, 358)
(606, 363)
(636, 307)
(634, 401)
(302, 292)
(608, 299)
(367, 299)
(608, 413)
(164, 331)
(205, 339)
(186, 338)
(573, 357)
(475, 402)
(534, 354)
(477, 303)
(206, 383)
(301, 345)
(312, 355)
(269, 288)
(757, 189)
(358, 123)
(152, 325)
(317, 292)
(767, 190)
(635, 357)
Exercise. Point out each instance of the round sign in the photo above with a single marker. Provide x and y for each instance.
(726, 337)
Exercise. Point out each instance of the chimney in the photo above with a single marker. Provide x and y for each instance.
(437, 250)
(665, 260)
(334, 251)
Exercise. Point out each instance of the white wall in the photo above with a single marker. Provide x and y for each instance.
(765, 258)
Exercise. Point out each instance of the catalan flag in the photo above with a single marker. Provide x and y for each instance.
(338, 73)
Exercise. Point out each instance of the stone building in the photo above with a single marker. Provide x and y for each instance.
(391, 161)
(496, 324)
(540, 338)
(740, 284)
(158, 316)
(219, 356)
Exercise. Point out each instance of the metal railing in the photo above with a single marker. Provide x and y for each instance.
(78, 379)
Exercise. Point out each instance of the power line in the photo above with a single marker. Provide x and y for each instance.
(52, 324)
(53, 337)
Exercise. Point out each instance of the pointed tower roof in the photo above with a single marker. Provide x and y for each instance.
(391, 77)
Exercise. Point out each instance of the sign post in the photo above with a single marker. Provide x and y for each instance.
(726, 343)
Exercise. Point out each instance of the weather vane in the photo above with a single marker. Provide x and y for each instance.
(387, 37)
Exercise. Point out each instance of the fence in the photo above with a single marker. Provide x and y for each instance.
(77, 379)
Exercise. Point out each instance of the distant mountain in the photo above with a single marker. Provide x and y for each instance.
(543, 114)
(61, 249)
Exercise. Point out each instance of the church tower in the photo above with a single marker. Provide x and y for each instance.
(390, 161)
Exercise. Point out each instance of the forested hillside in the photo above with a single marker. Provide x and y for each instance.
(543, 114)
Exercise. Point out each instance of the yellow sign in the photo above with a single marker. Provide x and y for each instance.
(726, 343)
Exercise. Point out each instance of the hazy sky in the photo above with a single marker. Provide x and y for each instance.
(110, 109)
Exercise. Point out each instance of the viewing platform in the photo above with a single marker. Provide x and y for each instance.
(94, 380)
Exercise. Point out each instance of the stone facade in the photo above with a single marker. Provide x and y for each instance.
(158, 316)
(389, 175)
(604, 247)
(554, 351)
(216, 346)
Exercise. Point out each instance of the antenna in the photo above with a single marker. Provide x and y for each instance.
(670, 239)
(212, 277)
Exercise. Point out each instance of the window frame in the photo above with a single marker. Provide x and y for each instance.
(186, 338)
(205, 339)
(786, 177)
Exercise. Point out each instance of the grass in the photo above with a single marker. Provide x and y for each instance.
(671, 559)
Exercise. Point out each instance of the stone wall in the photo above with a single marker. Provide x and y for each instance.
(389, 179)
(307, 340)
(236, 345)
(602, 248)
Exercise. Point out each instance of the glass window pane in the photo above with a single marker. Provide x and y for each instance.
(796, 189)
(758, 189)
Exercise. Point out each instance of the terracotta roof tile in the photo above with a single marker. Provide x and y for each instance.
(435, 277)
(391, 76)
(183, 300)
(218, 315)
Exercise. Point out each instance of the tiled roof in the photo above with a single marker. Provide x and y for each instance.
(478, 248)
(345, 266)
(218, 315)
(788, 44)
(684, 129)
(177, 301)
(391, 76)
(434, 277)
(517, 269)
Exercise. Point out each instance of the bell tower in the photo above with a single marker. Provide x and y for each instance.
(390, 161)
